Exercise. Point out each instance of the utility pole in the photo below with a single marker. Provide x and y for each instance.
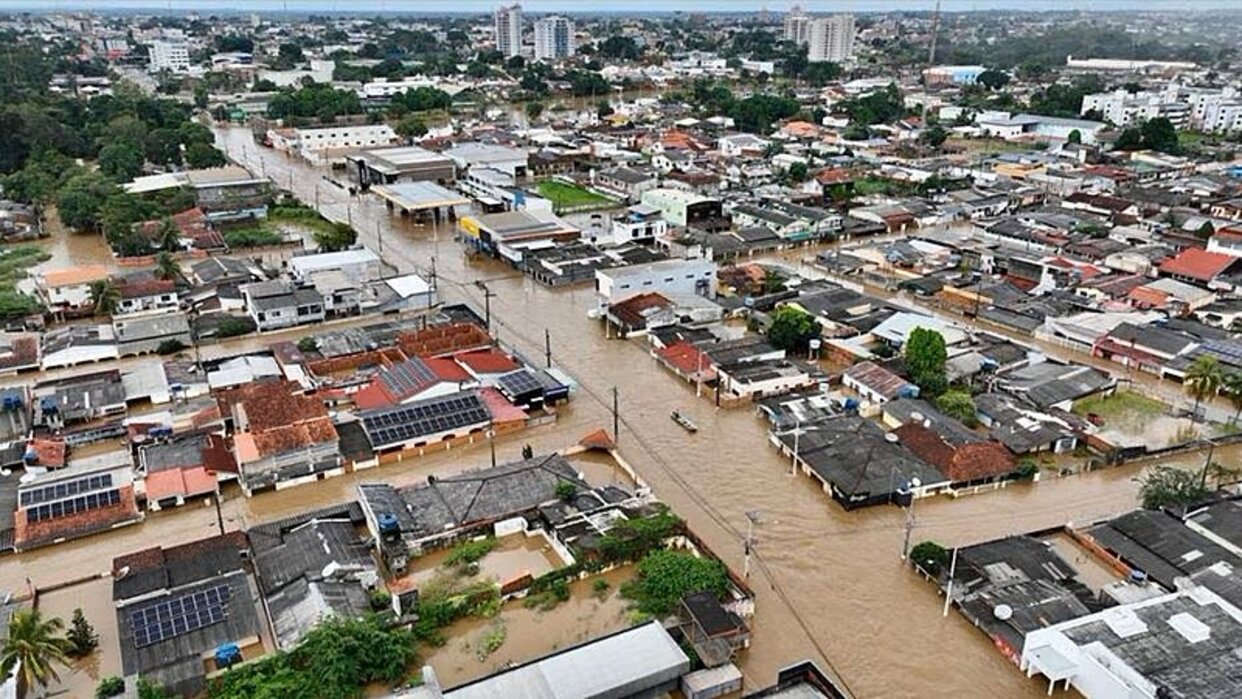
(491, 440)
(487, 304)
(379, 234)
(793, 463)
(752, 518)
(905, 547)
(547, 347)
(616, 418)
(1207, 463)
(219, 513)
(432, 290)
(948, 593)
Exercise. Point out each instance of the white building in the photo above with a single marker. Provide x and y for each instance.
(831, 39)
(1175, 645)
(508, 24)
(361, 265)
(1124, 108)
(638, 224)
(326, 144)
(797, 27)
(667, 277)
(554, 38)
(1217, 111)
(171, 56)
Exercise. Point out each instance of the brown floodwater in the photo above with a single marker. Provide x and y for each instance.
(830, 585)
(514, 555)
(530, 632)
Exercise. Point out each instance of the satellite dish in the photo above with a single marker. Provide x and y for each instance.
(890, 437)
(1003, 612)
(916, 416)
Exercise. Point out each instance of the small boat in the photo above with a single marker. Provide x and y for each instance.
(684, 421)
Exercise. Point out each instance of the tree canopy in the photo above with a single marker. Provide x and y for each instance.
(792, 329)
(925, 357)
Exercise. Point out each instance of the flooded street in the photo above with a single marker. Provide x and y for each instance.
(830, 585)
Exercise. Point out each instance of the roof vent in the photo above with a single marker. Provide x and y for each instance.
(1191, 629)
(890, 437)
(1003, 612)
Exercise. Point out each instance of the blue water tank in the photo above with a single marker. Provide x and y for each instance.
(228, 654)
(851, 404)
(48, 405)
(12, 401)
(388, 523)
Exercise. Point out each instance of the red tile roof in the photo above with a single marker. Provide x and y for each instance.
(502, 410)
(440, 340)
(633, 311)
(146, 287)
(488, 361)
(687, 359)
(46, 531)
(180, 482)
(271, 404)
(1197, 263)
(49, 453)
(599, 439)
(967, 462)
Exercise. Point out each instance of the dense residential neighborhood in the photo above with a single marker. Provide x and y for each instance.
(480, 352)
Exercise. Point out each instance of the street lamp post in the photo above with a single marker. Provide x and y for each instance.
(914, 484)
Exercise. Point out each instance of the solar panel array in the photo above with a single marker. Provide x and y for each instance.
(58, 491)
(520, 382)
(424, 418)
(71, 506)
(408, 377)
(172, 618)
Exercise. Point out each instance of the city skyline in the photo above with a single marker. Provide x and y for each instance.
(632, 6)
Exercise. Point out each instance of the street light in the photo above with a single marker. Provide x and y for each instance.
(913, 485)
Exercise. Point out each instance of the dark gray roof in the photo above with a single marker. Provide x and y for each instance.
(472, 497)
(1161, 546)
(305, 550)
(1224, 519)
(1152, 336)
(854, 456)
(176, 663)
(1009, 428)
(8, 506)
(181, 451)
(1046, 383)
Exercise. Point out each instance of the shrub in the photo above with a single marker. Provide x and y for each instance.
(110, 687)
(308, 344)
(565, 491)
(170, 347)
(929, 556)
(469, 552)
(234, 326)
(665, 577)
(380, 600)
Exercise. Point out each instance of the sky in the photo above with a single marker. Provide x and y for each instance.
(636, 6)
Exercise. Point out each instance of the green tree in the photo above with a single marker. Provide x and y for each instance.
(121, 160)
(203, 155)
(565, 491)
(934, 136)
(925, 356)
(412, 126)
(105, 297)
(620, 47)
(604, 109)
(339, 236)
(167, 267)
(993, 79)
(308, 344)
(81, 199)
(33, 648)
(534, 110)
(666, 576)
(1159, 134)
(821, 73)
(1171, 487)
(1075, 136)
(1203, 380)
(797, 173)
(82, 637)
(792, 329)
(112, 686)
(169, 236)
(960, 406)
(1129, 139)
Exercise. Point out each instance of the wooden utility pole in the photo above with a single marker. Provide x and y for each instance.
(616, 418)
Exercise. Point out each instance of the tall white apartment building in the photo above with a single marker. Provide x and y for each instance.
(508, 22)
(554, 38)
(173, 57)
(1217, 112)
(797, 26)
(831, 39)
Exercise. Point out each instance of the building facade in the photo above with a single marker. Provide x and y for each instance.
(831, 39)
(508, 24)
(173, 57)
(797, 27)
(554, 38)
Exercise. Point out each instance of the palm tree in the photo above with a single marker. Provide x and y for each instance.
(1222, 474)
(169, 235)
(106, 297)
(34, 646)
(167, 267)
(1203, 380)
(1233, 390)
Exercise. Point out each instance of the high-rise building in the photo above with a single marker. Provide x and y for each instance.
(173, 57)
(509, 30)
(797, 26)
(831, 39)
(554, 38)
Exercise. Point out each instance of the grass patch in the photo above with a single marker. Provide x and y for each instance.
(15, 264)
(568, 196)
(1121, 403)
(492, 640)
(252, 237)
(303, 216)
(469, 552)
(556, 593)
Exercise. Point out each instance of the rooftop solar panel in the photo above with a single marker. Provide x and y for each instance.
(409, 422)
(71, 506)
(519, 383)
(171, 618)
(58, 491)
